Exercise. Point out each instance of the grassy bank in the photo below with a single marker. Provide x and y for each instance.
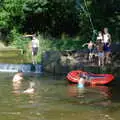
(46, 43)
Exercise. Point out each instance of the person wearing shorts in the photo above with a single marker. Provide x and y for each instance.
(90, 46)
(35, 46)
(34, 51)
(100, 49)
(107, 45)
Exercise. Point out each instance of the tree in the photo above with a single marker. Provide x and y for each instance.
(11, 13)
(106, 14)
(51, 16)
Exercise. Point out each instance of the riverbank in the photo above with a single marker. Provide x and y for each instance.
(60, 62)
(11, 55)
(64, 61)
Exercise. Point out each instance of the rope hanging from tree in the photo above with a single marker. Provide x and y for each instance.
(87, 13)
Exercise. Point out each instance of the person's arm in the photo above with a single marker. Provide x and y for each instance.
(84, 44)
(27, 35)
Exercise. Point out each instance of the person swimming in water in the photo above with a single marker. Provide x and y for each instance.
(17, 82)
(31, 89)
(82, 80)
(18, 77)
(81, 84)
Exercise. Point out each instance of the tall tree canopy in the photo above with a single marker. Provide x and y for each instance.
(54, 17)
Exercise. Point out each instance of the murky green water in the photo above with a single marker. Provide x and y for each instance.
(13, 56)
(55, 99)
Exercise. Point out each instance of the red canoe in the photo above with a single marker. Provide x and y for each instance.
(93, 79)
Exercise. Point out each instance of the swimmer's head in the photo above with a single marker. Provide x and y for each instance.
(20, 73)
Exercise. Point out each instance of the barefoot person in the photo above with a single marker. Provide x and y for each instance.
(35, 46)
(100, 50)
(99, 37)
(107, 44)
(90, 46)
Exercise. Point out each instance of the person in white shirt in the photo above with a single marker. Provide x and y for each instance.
(99, 37)
(106, 36)
(35, 46)
(107, 45)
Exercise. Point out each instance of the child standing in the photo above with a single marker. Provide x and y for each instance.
(90, 46)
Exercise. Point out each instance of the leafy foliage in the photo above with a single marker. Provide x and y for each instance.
(18, 41)
(55, 17)
(11, 13)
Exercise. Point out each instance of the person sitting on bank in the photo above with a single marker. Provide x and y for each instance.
(35, 46)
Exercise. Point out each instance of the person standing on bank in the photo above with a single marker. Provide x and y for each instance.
(90, 46)
(35, 47)
(107, 45)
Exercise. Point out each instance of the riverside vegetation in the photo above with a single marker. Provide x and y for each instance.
(59, 25)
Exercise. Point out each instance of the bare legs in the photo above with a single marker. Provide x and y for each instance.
(101, 58)
(34, 61)
(108, 57)
(101, 61)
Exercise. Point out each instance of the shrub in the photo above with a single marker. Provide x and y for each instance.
(17, 40)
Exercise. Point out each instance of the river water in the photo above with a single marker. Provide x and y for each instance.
(55, 99)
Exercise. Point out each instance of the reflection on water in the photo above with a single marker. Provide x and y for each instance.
(96, 95)
(55, 99)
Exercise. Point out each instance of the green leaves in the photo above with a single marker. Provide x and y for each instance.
(35, 7)
(54, 17)
(10, 13)
(4, 17)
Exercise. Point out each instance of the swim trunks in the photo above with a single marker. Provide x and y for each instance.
(80, 86)
(34, 51)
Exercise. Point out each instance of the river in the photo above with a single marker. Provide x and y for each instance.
(55, 99)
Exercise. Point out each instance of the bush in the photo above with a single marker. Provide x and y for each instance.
(44, 45)
(17, 40)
